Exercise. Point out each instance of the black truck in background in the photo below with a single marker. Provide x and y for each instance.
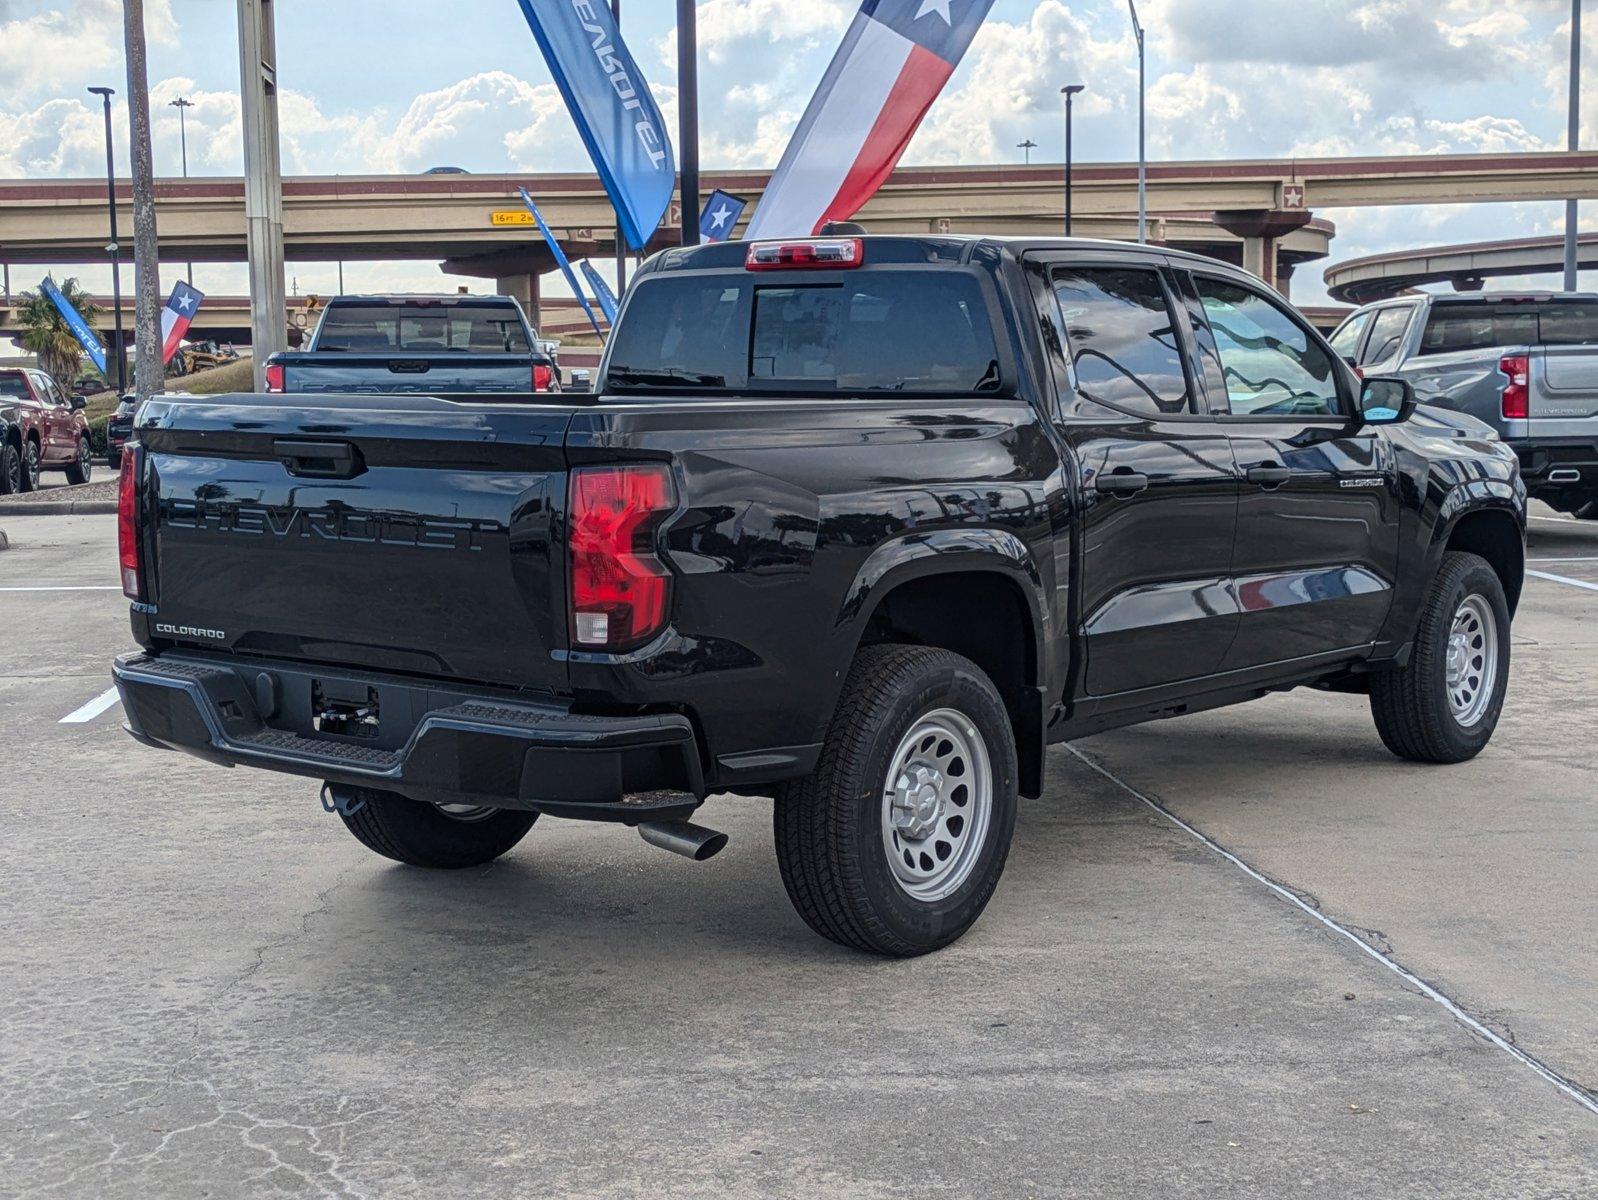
(423, 344)
(862, 524)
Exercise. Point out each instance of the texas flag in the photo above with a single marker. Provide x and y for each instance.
(180, 308)
(894, 61)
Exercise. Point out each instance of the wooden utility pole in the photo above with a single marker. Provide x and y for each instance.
(148, 369)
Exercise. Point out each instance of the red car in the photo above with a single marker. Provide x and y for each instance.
(41, 428)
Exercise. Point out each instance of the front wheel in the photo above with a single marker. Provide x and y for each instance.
(896, 842)
(82, 467)
(444, 836)
(1444, 705)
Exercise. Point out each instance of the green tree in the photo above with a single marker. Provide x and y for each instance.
(46, 334)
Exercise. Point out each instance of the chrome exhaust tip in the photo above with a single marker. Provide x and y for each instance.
(684, 838)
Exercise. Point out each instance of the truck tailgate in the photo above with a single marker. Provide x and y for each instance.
(422, 374)
(1570, 383)
(399, 533)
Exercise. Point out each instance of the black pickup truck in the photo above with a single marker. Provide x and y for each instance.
(861, 524)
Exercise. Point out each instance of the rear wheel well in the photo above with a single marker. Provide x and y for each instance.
(1495, 536)
(983, 616)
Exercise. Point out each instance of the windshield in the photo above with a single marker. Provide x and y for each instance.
(884, 330)
(423, 328)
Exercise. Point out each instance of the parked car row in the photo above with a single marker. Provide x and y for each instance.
(1526, 364)
(41, 429)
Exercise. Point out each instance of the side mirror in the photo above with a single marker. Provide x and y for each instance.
(1386, 400)
(78, 403)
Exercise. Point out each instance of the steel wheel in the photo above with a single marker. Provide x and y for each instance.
(466, 812)
(937, 803)
(1472, 664)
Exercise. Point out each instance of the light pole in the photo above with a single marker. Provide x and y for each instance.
(688, 117)
(183, 141)
(1142, 127)
(112, 248)
(621, 239)
(1571, 210)
(1027, 146)
(1069, 91)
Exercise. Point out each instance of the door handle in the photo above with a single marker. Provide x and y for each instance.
(1121, 483)
(1270, 475)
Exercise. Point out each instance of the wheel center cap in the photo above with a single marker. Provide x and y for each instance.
(1458, 655)
(917, 802)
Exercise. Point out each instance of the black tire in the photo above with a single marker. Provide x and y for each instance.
(30, 466)
(1588, 511)
(830, 826)
(1412, 707)
(81, 468)
(113, 458)
(424, 835)
(10, 470)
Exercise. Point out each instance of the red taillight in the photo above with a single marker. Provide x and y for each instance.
(543, 378)
(823, 253)
(274, 377)
(619, 587)
(1516, 368)
(128, 521)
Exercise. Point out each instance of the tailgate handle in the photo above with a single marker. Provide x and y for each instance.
(408, 366)
(319, 460)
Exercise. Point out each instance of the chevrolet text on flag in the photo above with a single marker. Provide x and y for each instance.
(894, 61)
(561, 260)
(176, 317)
(75, 322)
(721, 214)
(611, 104)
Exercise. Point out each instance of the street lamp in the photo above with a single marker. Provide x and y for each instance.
(113, 249)
(1571, 209)
(1028, 146)
(1069, 91)
(1142, 146)
(183, 141)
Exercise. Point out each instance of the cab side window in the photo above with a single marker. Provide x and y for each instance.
(1123, 339)
(1271, 365)
(1346, 340)
(1387, 335)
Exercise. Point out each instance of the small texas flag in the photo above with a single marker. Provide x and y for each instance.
(720, 216)
(180, 308)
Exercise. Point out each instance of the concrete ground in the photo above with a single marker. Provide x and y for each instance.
(208, 988)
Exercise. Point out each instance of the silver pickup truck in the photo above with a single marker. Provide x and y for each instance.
(1526, 364)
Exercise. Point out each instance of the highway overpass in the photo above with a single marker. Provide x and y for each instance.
(1465, 267)
(1256, 212)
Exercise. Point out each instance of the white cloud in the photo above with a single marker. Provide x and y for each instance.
(730, 29)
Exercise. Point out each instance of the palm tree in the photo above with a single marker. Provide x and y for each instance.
(46, 334)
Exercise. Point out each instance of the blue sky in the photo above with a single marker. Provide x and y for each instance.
(402, 85)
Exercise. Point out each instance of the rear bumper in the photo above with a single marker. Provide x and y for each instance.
(1558, 464)
(440, 746)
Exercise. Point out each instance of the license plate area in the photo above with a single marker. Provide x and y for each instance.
(345, 710)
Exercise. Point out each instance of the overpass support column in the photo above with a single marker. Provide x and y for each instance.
(263, 182)
(525, 289)
(1262, 231)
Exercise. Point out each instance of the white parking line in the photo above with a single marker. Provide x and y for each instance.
(1581, 583)
(99, 587)
(1415, 981)
(1586, 558)
(91, 710)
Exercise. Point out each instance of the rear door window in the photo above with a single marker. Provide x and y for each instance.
(1123, 339)
(909, 331)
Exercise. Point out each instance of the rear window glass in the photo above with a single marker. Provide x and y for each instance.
(423, 329)
(15, 387)
(911, 331)
(1453, 328)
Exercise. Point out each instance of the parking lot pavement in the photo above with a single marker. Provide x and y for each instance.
(210, 988)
